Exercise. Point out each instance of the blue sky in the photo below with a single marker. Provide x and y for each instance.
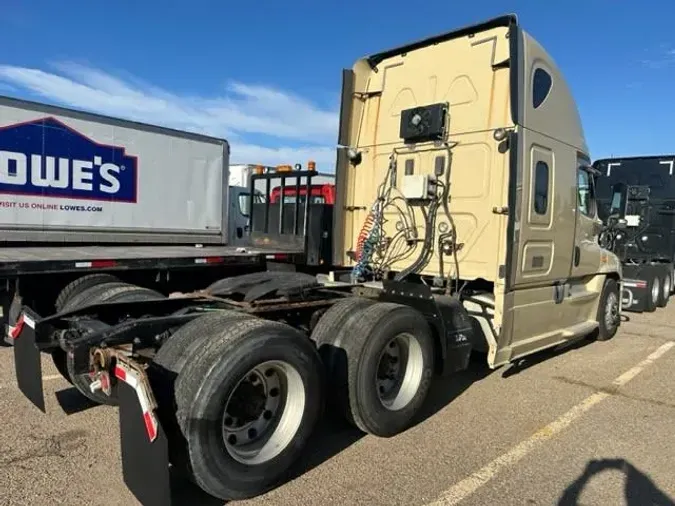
(266, 74)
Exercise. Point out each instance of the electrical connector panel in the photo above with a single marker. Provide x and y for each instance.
(418, 187)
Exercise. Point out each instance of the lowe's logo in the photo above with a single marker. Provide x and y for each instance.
(47, 158)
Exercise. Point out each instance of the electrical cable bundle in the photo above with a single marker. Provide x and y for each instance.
(368, 240)
(375, 253)
(371, 242)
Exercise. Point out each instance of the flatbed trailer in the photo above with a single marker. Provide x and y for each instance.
(43, 260)
(225, 382)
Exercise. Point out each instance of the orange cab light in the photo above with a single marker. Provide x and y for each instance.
(311, 165)
(284, 168)
(259, 169)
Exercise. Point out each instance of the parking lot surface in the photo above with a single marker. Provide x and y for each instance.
(590, 424)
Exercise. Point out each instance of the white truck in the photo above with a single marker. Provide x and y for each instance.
(85, 198)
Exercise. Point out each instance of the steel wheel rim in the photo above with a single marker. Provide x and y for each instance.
(263, 413)
(399, 371)
(656, 290)
(611, 311)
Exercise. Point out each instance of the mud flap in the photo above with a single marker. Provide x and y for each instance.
(27, 361)
(634, 295)
(145, 461)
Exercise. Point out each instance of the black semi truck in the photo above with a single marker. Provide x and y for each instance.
(636, 198)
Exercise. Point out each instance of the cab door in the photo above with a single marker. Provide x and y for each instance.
(586, 253)
(238, 214)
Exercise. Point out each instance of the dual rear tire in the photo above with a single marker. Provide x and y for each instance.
(380, 361)
(247, 393)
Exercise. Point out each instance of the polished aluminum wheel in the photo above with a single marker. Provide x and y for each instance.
(399, 371)
(264, 412)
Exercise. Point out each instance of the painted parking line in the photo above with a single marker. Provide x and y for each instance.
(471, 484)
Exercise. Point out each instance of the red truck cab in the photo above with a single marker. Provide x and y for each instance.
(319, 194)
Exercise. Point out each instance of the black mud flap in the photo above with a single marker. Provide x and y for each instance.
(634, 295)
(145, 462)
(27, 362)
(445, 313)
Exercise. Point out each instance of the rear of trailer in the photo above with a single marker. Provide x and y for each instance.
(73, 177)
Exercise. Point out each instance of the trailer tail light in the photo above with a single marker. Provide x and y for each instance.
(210, 260)
(96, 264)
(281, 257)
(131, 378)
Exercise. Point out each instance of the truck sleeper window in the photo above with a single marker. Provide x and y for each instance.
(541, 188)
(541, 85)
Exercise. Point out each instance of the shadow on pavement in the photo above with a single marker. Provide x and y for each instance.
(186, 493)
(333, 435)
(446, 389)
(639, 490)
(525, 363)
(72, 401)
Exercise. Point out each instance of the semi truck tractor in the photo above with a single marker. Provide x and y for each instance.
(636, 197)
(463, 222)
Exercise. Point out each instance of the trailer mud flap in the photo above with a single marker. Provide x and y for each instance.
(144, 447)
(27, 361)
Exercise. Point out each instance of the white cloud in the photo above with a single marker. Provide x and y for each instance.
(665, 57)
(297, 129)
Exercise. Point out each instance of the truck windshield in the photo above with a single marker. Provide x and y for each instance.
(616, 203)
(656, 172)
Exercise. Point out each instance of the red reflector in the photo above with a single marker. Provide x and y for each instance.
(641, 284)
(98, 264)
(278, 256)
(16, 330)
(214, 260)
(120, 373)
(150, 425)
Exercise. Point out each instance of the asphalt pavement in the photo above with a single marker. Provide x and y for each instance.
(591, 425)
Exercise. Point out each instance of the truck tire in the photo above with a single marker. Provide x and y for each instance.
(91, 295)
(608, 311)
(653, 292)
(389, 352)
(173, 354)
(664, 296)
(167, 364)
(255, 381)
(326, 338)
(110, 293)
(75, 294)
(332, 321)
(80, 284)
